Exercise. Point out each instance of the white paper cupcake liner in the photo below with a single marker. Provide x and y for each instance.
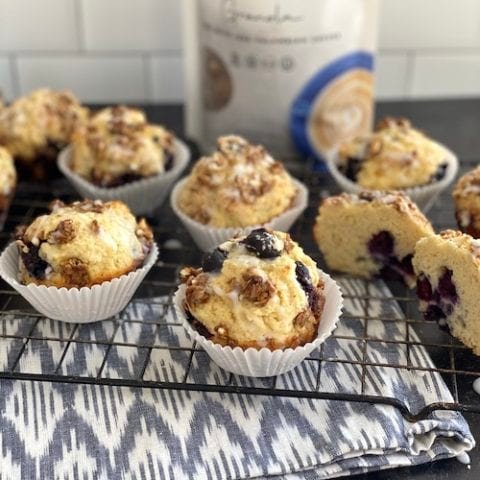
(265, 362)
(84, 305)
(208, 238)
(424, 196)
(142, 196)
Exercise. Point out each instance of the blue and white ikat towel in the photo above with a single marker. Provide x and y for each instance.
(98, 432)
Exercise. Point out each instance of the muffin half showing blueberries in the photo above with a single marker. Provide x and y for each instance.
(35, 127)
(448, 269)
(238, 187)
(118, 154)
(258, 305)
(395, 156)
(80, 262)
(8, 182)
(371, 234)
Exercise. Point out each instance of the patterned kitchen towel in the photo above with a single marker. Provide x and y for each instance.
(98, 432)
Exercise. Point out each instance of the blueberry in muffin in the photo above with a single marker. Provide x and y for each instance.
(82, 244)
(466, 196)
(372, 233)
(119, 146)
(35, 127)
(394, 156)
(260, 290)
(239, 185)
(448, 269)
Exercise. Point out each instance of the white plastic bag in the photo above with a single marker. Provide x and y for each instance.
(283, 73)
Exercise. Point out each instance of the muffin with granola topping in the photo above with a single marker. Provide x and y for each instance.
(466, 196)
(260, 290)
(237, 188)
(82, 244)
(118, 146)
(395, 156)
(36, 126)
(238, 185)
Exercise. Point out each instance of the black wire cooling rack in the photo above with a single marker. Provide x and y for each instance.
(452, 360)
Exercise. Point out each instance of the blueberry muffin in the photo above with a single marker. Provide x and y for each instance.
(448, 270)
(35, 127)
(119, 146)
(8, 181)
(466, 196)
(372, 233)
(256, 291)
(394, 156)
(239, 185)
(82, 244)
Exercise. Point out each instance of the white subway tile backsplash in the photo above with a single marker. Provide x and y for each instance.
(132, 25)
(167, 79)
(125, 50)
(7, 89)
(94, 79)
(38, 25)
(446, 76)
(391, 75)
(420, 24)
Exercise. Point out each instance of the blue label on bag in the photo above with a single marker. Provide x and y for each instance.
(337, 103)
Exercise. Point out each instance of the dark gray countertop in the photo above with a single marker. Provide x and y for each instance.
(456, 123)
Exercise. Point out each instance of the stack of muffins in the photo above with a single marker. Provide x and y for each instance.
(257, 304)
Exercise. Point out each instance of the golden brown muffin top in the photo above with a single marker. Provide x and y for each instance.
(42, 117)
(394, 156)
(118, 145)
(240, 184)
(82, 244)
(259, 290)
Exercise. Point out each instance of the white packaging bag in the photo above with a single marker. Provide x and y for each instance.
(289, 74)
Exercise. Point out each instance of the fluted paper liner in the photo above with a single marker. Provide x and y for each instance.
(424, 196)
(84, 305)
(265, 362)
(142, 196)
(207, 237)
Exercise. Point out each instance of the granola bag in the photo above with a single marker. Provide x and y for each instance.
(289, 75)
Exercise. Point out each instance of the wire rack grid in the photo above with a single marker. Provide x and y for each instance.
(174, 362)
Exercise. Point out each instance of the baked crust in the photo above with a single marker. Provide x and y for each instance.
(273, 302)
(118, 146)
(347, 223)
(82, 244)
(394, 156)
(466, 196)
(448, 268)
(238, 185)
(36, 126)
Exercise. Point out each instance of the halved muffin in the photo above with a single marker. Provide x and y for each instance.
(372, 233)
